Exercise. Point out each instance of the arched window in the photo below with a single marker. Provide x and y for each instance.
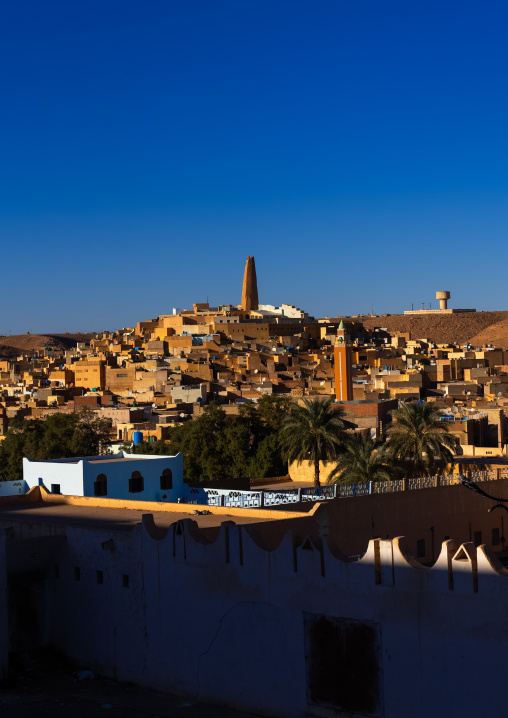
(100, 487)
(136, 483)
(166, 480)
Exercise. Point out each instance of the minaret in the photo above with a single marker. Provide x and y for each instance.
(343, 365)
(250, 286)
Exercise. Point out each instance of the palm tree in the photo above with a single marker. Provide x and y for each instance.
(313, 432)
(419, 434)
(362, 461)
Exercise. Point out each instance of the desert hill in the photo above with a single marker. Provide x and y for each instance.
(12, 346)
(497, 334)
(479, 328)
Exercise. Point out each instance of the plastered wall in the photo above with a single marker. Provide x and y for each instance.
(225, 621)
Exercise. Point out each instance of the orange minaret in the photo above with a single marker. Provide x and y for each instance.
(250, 286)
(343, 365)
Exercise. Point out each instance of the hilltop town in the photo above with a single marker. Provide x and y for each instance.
(163, 371)
(348, 591)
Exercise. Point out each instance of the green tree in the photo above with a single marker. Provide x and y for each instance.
(313, 432)
(91, 433)
(363, 460)
(273, 410)
(264, 420)
(148, 447)
(199, 443)
(419, 434)
(220, 446)
(268, 461)
(57, 437)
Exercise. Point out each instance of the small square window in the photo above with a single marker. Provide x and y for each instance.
(100, 577)
(77, 573)
(125, 580)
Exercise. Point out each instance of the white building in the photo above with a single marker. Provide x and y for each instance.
(122, 476)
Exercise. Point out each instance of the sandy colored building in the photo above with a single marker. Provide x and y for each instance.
(89, 374)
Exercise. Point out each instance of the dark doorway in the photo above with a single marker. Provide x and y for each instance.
(344, 664)
(27, 610)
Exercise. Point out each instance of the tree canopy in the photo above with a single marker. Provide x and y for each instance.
(418, 434)
(313, 431)
(59, 436)
(219, 446)
(363, 460)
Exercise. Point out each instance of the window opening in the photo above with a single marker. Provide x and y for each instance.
(100, 487)
(166, 480)
(136, 483)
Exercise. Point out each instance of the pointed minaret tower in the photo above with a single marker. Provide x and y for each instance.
(250, 286)
(343, 365)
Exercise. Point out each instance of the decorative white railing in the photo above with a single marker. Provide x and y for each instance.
(276, 497)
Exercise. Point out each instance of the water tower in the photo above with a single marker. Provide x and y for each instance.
(443, 299)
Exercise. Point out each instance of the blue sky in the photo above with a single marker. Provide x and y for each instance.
(357, 149)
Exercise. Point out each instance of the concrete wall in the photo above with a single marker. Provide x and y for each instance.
(230, 622)
(69, 476)
(120, 378)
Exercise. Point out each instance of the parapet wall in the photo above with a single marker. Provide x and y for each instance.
(231, 622)
(426, 517)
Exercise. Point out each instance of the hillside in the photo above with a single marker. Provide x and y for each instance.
(476, 327)
(497, 334)
(11, 346)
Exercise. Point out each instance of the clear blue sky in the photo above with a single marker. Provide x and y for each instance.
(359, 150)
